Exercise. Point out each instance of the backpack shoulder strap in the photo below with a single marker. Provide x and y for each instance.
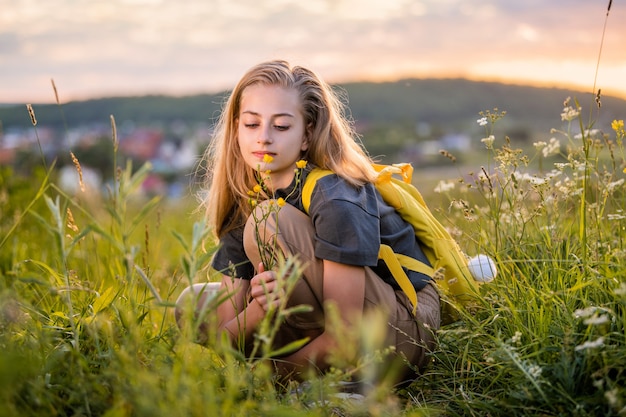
(309, 185)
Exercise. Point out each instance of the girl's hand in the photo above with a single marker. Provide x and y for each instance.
(265, 289)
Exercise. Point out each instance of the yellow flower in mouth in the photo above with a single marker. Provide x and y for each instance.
(280, 202)
(267, 158)
(301, 164)
(256, 189)
(253, 203)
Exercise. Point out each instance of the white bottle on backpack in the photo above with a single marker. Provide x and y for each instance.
(482, 268)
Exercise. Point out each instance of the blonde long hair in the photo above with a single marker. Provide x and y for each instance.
(332, 142)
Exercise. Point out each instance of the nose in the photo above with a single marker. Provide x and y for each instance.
(265, 135)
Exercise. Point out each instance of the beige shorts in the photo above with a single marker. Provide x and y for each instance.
(412, 336)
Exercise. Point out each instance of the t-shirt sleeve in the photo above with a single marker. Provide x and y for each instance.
(346, 222)
(230, 257)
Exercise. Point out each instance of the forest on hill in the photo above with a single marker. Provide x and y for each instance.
(447, 102)
(412, 118)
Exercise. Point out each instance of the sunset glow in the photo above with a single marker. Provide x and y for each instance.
(132, 47)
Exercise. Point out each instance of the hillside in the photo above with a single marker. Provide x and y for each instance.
(452, 104)
(457, 102)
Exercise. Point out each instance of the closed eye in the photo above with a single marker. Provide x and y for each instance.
(281, 128)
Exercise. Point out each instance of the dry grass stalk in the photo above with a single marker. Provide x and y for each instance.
(56, 94)
(71, 224)
(31, 113)
(79, 170)
(447, 155)
(114, 132)
(146, 254)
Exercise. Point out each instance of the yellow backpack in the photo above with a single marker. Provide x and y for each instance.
(449, 263)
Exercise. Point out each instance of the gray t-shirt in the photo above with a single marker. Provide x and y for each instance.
(350, 224)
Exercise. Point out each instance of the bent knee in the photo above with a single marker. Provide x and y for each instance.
(195, 298)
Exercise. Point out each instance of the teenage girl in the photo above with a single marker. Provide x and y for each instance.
(276, 116)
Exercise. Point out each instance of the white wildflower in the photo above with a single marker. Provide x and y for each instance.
(455, 232)
(599, 342)
(621, 290)
(616, 216)
(488, 141)
(570, 113)
(612, 397)
(482, 121)
(584, 312)
(554, 147)
(516, 337)
(596, 320)
(444, 186)
(506, 218)
(594, 133)
(531, 179)
(539, 145)
(538, 181)
(464, 394)
(535, 371)
(553, 174)
(589, 134)
(562, 186)
(610, 187)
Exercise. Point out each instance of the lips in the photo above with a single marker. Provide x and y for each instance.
(261, 154)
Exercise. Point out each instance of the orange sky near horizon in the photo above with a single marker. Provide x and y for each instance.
(135, 47)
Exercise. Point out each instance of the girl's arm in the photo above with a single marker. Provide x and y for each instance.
(344, 286)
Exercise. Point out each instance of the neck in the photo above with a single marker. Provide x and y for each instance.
(277, 182)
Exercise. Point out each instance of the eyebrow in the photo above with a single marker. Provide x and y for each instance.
(273, 116)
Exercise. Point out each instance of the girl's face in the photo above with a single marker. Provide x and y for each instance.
(271, 123)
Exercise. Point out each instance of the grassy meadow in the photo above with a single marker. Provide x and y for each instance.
(88, 282)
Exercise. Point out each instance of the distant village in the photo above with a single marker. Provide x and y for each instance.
(173, 151)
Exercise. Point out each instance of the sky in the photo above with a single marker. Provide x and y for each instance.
(96, 48)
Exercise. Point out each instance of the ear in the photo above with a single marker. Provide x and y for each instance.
(307, 137)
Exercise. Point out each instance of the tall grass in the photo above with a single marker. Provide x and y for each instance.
(88, 283)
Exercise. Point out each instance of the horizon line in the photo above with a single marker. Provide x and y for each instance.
(574, 87)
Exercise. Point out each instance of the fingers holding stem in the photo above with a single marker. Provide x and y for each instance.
(265, 289)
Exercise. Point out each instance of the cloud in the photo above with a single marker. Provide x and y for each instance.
(100, 47)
